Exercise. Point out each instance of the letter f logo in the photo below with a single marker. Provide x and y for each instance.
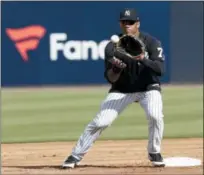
(26, 38)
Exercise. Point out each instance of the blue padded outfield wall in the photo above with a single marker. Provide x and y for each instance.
(47, 43)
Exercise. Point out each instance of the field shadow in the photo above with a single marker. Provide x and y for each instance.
(79, 166)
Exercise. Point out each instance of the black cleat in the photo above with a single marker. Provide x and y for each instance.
(156, 159)
(70, 162)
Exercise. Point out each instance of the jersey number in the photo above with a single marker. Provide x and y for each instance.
(160, 52)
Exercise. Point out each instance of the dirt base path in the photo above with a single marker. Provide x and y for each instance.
(105, 157)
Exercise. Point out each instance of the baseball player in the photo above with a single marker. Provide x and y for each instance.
(131, 81)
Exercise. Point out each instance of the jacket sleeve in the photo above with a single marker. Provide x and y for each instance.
(156, 57)
(109, 53)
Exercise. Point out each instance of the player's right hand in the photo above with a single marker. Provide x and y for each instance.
(118, 63)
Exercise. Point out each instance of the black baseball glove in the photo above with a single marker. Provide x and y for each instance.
(129, 47)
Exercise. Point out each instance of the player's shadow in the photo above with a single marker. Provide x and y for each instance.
(79, 166)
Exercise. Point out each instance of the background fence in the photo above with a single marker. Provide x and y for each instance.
(55, 36)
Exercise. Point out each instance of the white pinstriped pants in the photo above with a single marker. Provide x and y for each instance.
(112, 106)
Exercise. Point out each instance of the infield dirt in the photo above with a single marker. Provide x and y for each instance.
(105, 157)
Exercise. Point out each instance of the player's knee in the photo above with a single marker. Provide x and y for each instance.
(102, 124)
(105, 119)
(155, 115)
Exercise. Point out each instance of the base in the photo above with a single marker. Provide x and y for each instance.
(182, 162)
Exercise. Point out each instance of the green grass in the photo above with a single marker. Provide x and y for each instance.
(61, 114)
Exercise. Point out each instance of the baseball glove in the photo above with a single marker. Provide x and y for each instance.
(129, 47)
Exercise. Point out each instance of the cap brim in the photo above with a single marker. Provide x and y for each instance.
(126, 18)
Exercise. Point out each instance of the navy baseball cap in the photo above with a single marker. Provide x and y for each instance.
(128, 14)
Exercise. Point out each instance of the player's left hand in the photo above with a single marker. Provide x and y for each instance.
(140, 57)
(130, 47)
